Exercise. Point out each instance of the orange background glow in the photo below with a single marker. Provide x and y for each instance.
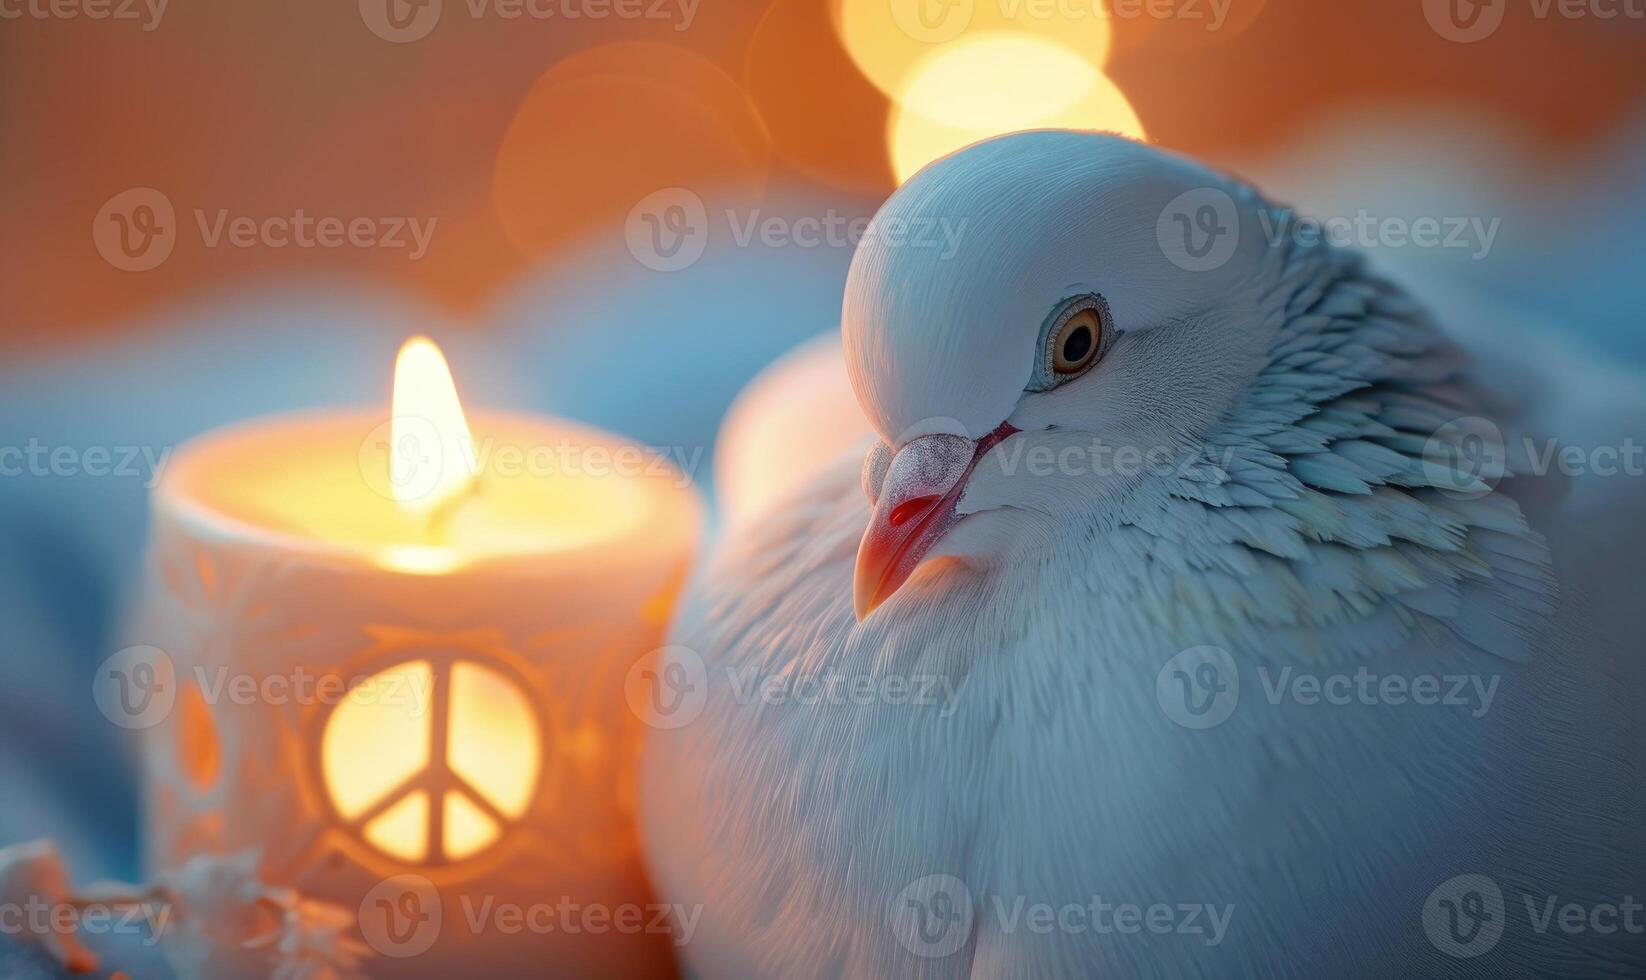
(524, 135)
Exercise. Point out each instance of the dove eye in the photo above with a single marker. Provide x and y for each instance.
(1075, 346)
(1074, 337)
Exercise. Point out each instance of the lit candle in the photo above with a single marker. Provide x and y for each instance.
(394, 663)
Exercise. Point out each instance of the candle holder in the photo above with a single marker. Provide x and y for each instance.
(447, 749)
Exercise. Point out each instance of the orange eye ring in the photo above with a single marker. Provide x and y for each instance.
(1077, 342)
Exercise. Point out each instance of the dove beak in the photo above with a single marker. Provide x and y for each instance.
(917, 505)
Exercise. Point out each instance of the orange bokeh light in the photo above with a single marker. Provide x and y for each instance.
(605, 128)
(826, 120)
(889, 39)
(1000, 83)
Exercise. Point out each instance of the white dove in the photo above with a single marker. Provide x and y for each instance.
(1175, 637)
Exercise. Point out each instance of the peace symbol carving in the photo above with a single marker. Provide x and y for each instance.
(433, 759)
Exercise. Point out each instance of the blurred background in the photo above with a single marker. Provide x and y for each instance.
(527, 128)
(621, 210)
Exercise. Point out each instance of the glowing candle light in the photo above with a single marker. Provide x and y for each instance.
(397, 650)
(425, 397)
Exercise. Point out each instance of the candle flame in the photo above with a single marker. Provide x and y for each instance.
(432, 460)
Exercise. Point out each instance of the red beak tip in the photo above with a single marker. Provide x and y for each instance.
(899, 536)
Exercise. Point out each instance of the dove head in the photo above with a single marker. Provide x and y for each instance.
(1034, 325)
